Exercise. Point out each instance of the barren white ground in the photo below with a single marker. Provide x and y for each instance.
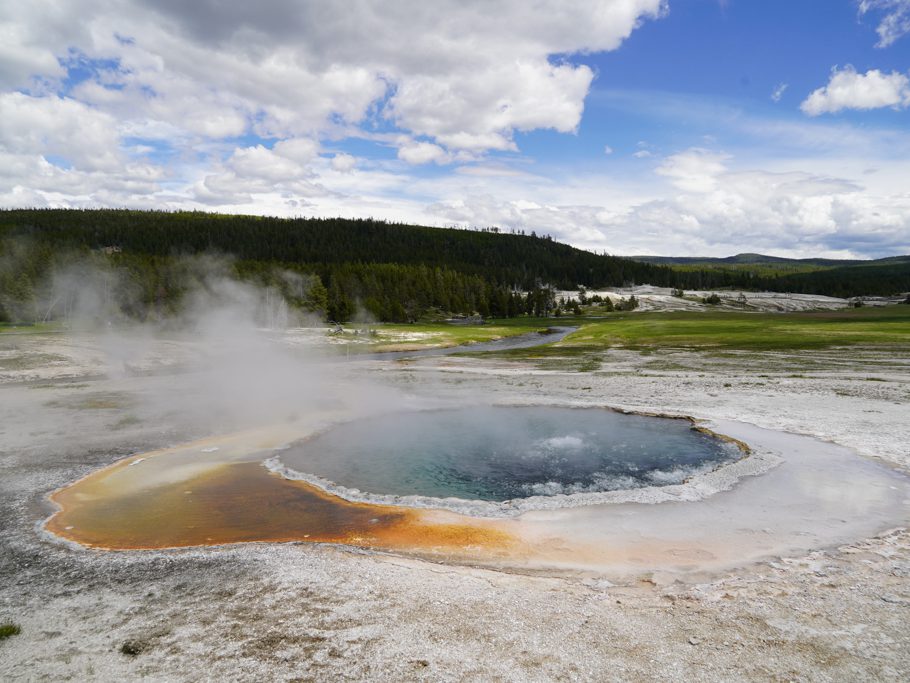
(305, 612)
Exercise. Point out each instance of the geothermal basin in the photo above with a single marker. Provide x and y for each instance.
(452, 458)
(536, 488)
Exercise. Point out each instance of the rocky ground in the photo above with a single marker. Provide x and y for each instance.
(306, 612)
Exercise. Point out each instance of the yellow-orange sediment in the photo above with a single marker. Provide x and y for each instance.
(243, 502)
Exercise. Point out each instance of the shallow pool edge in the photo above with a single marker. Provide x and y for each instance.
(699, 486)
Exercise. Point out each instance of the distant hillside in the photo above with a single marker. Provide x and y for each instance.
(832, 277)
(393, 271)
(880, 277)
(745, 259)
(508, 259)
(390, 271)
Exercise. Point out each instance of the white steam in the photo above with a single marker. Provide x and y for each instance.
(230, 355)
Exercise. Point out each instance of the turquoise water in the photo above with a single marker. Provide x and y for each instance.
(503, 453)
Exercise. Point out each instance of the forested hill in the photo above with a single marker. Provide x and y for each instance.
(507, 259)
(884, 277)
(393, 271)
(833, 277)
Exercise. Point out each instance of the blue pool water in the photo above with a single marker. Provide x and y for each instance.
(503, 453)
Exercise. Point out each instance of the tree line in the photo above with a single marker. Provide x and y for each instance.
(336, 267)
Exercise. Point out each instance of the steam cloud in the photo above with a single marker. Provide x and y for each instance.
(231, 355)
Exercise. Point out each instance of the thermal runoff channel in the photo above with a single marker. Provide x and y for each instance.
(503, 453)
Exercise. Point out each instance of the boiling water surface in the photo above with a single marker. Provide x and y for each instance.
(503, 453)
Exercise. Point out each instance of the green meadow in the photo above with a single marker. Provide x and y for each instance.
(698, 331)
(748, 331)
(887, 326)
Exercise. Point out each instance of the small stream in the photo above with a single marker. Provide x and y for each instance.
(520, 341)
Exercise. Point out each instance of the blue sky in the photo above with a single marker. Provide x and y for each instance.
(637, 126)
(725, 60)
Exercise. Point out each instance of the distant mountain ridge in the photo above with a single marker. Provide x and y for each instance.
(833, 277)
(759, 259)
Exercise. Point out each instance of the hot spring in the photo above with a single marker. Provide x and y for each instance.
(504, 453)
(522, 487)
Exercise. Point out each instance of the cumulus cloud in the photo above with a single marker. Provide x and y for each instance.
(575, 224)
(795, 212)
(44, 126)
(33, 48)
(695, 170)
(422, 153)
(480, 111)
(112, 86)
(848, 89)
(894, 22)
(300, 150)
(287, 171)
(286, 68)
(343, 163)
(714, 209)
(261, 163)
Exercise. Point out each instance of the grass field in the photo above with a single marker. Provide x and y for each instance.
(693, 330)
(723, 331)
(749, 331)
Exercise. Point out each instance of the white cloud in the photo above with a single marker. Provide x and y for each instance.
(608, 150)
(288, 69)
(29, 180)
(343, 163)
(422, 153)
(259, 163)
(31, 48)
(848, 89)
(896, 20)
(575, 224)
(44, 126)
(695, 170)
(778, 92)
(176, 84)
(713, 210)
(477, 111)
(300, 150)
(251, 174)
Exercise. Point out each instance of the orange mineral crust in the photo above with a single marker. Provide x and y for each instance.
(243, 502)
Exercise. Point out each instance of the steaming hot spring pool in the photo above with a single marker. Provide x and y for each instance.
(504, 453)
(536, 487)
